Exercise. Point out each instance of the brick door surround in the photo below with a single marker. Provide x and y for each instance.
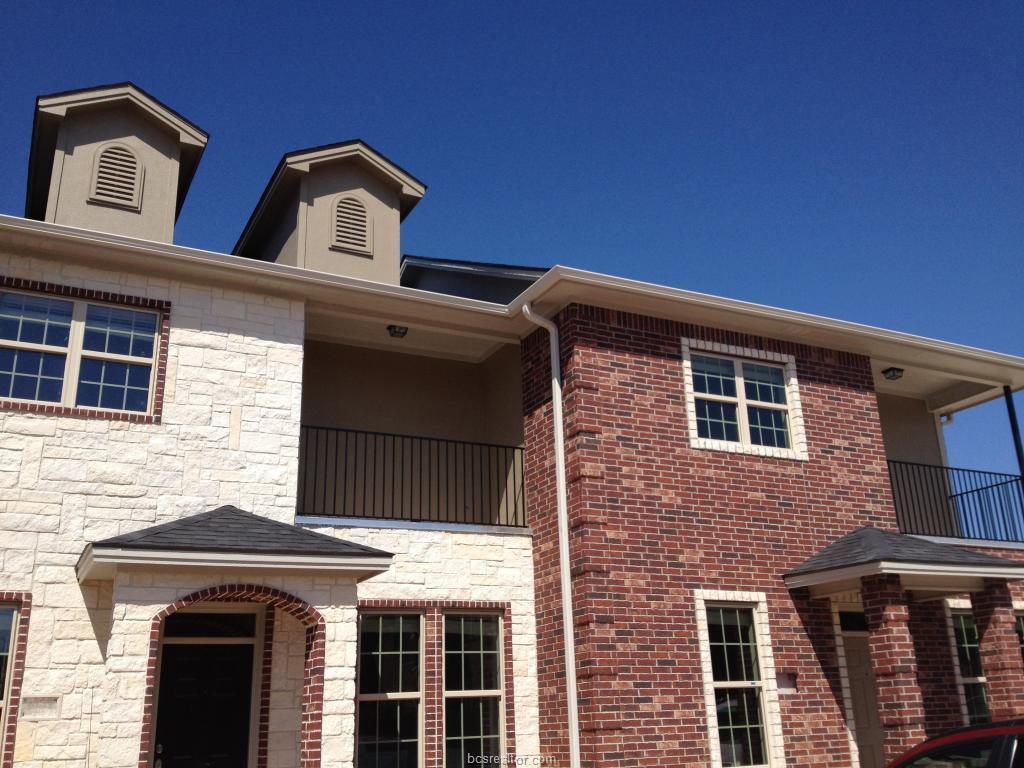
(313, 674)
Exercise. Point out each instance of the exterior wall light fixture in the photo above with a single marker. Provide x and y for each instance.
(893, 373)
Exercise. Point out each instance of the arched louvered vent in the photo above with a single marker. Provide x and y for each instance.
(351, 226)
(118, 177)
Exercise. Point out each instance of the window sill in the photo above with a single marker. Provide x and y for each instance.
(56, 409)
(708, 444)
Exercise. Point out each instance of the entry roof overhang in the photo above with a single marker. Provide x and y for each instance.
(230, 538)
(928, 569)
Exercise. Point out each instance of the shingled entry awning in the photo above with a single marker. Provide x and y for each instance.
(925, 567)
(230, 538)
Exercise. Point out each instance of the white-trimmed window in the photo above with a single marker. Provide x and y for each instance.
(743, 400)
(389, 698)
(117, 177)
(8, 636)
(969, 672)
(351, 226)
(739, 680)
(1020, 630)
(77, 353)
(472, 689)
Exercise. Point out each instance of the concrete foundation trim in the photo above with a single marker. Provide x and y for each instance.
(313, 677)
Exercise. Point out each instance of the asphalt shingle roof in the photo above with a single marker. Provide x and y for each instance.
(872, 545)
(229, 529)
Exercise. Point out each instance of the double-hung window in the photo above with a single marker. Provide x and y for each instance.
(77, 353)
(738, 685)
(971, 676)
(389, 694)
(472, 689)
(743, 405)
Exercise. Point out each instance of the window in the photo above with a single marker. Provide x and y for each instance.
(117, 177)
(1020, 631)
(743, 405)
(472, 689)
(970, 675)
(737, 686)
(352, 230)
(8, 633)
(971, 754)
(76, 353)
(389, 691)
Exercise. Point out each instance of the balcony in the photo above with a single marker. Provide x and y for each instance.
(934, 500)
(348, 473)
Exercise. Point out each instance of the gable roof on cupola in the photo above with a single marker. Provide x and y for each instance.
(293, 165)
(52, 109)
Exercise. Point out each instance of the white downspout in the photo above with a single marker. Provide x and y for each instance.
(561, 492)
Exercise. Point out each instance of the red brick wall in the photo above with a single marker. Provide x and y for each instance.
(652, 519)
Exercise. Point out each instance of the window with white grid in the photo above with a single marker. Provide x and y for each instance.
(472, 690)
(77, 353)
(743, 403)
(389, 697)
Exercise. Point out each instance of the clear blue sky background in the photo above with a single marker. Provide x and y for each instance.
(860, 160)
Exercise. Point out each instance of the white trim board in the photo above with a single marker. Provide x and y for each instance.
(1009, 572)
(103, 563)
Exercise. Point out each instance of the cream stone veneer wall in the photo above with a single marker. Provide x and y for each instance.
(443, 565)
(229, 436)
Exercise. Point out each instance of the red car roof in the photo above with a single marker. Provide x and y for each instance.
(971, 733)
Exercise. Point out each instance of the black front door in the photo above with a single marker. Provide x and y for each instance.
(202, 718)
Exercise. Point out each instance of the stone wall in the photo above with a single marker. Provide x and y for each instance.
(432, 566)
(229, 435)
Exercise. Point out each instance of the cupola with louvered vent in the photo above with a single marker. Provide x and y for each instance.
(111, 159)
(337, 209)
(353, 228)
(117, 179)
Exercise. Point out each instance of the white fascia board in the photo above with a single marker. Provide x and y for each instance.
(559, 274)
(103, 562)
(301, 283)
(276, 275)
(1008, 571)
(59, 105)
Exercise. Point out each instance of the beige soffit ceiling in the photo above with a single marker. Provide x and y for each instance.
(333, 294)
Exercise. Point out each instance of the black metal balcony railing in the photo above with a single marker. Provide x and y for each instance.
(959, 503)
(351, 473)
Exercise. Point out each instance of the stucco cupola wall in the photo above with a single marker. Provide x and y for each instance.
(111, 159)
(335, 209)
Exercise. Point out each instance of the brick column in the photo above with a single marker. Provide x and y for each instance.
(900, 703)
(1000, 649)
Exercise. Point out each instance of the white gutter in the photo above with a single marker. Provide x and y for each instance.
(562, 495)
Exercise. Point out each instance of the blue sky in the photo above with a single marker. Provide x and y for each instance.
(860, 160)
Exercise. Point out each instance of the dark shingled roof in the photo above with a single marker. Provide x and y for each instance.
(229, 529)
(872, 545)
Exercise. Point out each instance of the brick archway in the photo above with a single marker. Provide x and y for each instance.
(313, 676)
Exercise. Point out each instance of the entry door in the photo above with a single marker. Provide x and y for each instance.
(869, 732)
(204, 705)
